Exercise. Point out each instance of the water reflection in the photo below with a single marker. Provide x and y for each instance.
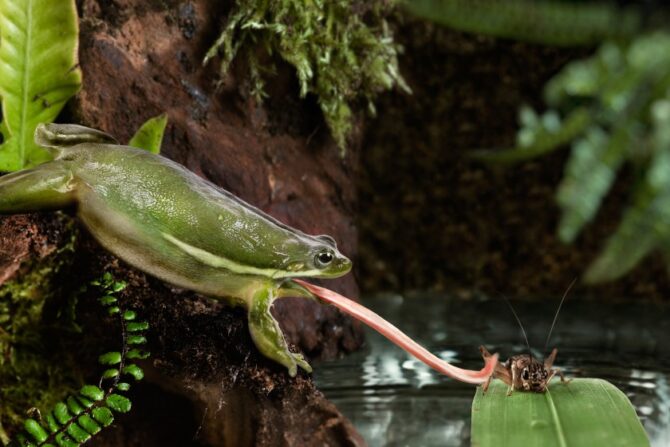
(395, 400)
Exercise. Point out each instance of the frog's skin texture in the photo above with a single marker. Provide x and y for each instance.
(163, 219)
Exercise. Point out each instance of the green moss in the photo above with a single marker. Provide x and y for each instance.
(33, 373)
(342, 50)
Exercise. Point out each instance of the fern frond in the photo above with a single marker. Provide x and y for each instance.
(76, 420)
(622, 94)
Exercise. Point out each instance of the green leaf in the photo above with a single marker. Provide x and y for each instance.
(110, 373)
(548, 22)
(35, 430)
(118, 403)
(634, 239)
(585, 412)
(52, 424)
(74, 406)
(136, 340)
(39, 72)
(88, 424)
(150, 135)
(129, 315)
(137, 354)
(134, 371)
(589, 175)
(108, 299)
(103, 416)
(78, 434)
(61, 413)
(118, 286)
(110, 358)
(92, 392)
(64, 440)
(137, 326)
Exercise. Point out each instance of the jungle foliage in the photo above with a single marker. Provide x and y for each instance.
(342, 51)
(613, 109)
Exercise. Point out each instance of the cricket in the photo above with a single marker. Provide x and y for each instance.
(523, 371)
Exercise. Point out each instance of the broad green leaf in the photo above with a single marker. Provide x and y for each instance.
(150, 135)
(585, 412)
(39, 72)
(548, 22)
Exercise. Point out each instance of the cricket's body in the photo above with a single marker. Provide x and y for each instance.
(524, 372)
(163, 219)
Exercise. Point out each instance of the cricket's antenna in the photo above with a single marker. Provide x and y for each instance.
(525, 337)
(553, 323)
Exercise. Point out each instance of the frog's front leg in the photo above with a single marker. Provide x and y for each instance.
(46, 187)
(267, 334)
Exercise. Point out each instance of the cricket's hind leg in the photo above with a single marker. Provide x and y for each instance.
(46, 187)
(267, 334)
(548, 366)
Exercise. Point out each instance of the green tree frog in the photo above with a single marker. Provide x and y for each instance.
(165, 220)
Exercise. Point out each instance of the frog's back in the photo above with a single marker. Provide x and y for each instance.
(173, 206)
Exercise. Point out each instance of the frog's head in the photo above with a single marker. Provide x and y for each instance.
(318, 257)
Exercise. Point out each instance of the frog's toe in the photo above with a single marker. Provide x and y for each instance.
(300, 360)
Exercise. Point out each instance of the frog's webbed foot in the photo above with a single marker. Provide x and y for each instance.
(267, 334)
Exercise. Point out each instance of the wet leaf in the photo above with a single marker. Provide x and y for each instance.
(586, 412)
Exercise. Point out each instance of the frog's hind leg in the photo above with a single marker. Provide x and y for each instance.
(46, 187)
(267, 334)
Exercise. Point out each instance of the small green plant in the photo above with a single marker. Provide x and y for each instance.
(342, 51)
(79, 417)
(150, 135)
(614, 109)
(39, 72)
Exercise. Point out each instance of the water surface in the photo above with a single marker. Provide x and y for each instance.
(394, 400)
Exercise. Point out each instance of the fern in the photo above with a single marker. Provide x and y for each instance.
(614, 108)
(79, 417)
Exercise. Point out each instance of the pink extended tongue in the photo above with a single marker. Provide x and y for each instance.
(395, 335)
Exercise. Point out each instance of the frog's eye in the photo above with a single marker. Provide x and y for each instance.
(524, 375)
(324, 258)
